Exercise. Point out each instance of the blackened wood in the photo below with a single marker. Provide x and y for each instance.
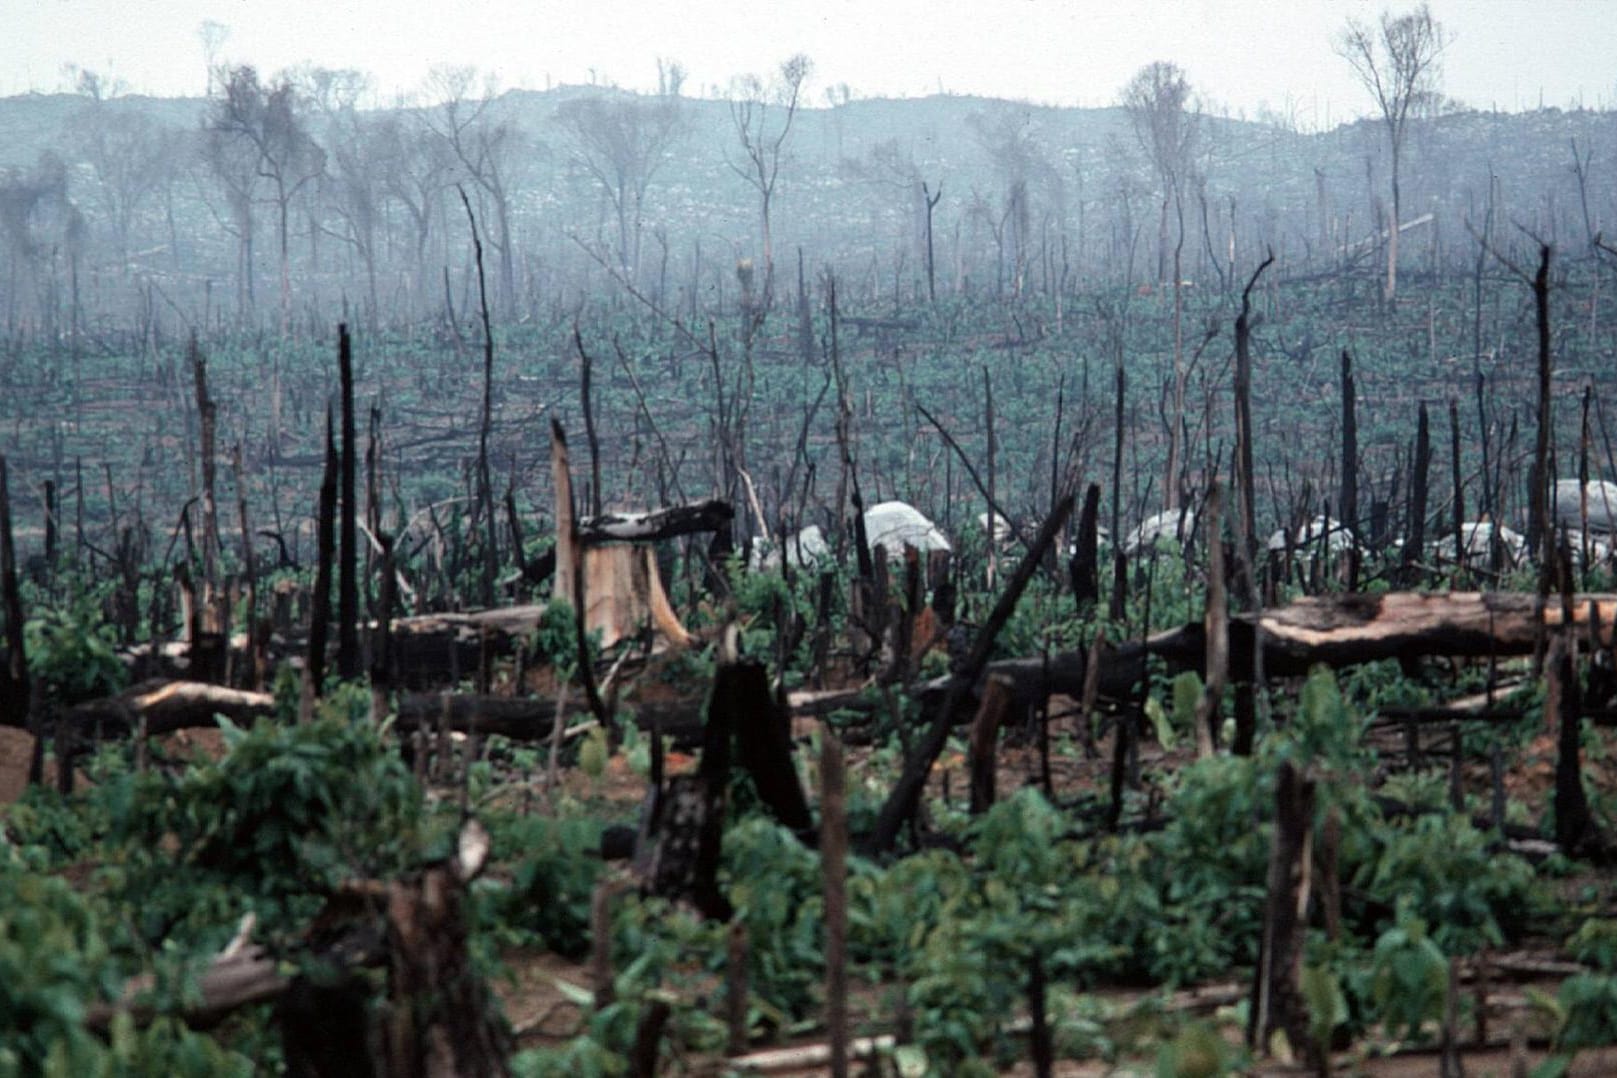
(441, 1017)
(762, 740)
(325, 1025)
(991, 715)
(320, 606)
(736, 989)
(1245, 481)
(382, 637)
(1122, 735)
(1344, 630)
(570, 561)
(1539, 539)
(586, 366)
(1119, 564)
(1349, 500)
(648, 1036)
(1575, 829)
(1415, 548)
(1039, 1039)
(256, 658)
(485, 483)
(1457, 484)
(14, 677)
(1277, 1001)
(207, 416)
(834, 872)
(1246, 717)
(50, 530)
(347, 538)
(1330, 878)
(1084, 566)
(602, 979)
(905, 797)
(1217, 626)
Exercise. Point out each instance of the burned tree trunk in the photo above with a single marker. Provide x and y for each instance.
(905, 797)
(1277, 1001)
(347, 544)
(14, 677)
(1349, 500)
(1083, 567)
(314, 673)
(1417, 497)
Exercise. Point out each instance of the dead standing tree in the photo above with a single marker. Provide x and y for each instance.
(256, 132)
(1397, 62)
(763, 139)
(1160, 109)
(621, 142)
(483, 151)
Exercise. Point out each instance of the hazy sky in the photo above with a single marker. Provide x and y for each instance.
(1242, 54)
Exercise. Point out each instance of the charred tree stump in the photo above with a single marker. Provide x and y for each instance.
(441, 1019)
(14, 686)
(1084, 567)
(1575, 829)
(762, 732)
(991, 715)
(1277, 1001)
(834, 868)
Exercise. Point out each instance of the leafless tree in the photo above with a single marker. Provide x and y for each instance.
(762, 115)
(414, 165)
(1165, 119)
(354, 188)
(258, 133)
(129, 153)
(1397, 61)
(484, 151)
(621, 141)
(1009, 147)
(41, 228)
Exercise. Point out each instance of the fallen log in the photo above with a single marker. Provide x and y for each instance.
(1345, 630)
(676, 520)
(1337, 630)
(531, 718)
(165, 706)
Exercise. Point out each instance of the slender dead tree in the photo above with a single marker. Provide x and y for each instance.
(485, 484)
(1159, 104)
(1397, 61)
(348, 662)
(763, 140)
